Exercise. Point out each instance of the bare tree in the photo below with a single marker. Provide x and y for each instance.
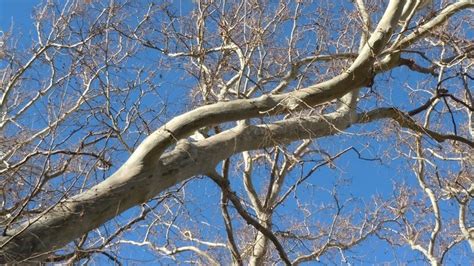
(140, 123)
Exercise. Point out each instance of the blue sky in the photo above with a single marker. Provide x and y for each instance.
(361, 173)
(17, 12)
(367, 178)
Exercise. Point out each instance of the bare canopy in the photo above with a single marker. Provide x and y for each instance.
(241, 108)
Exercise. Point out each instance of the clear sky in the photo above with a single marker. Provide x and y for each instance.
(367, 178)
(16, 13)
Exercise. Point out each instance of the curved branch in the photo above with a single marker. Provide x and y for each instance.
(147, 173)
(424, 29)
(404, 120)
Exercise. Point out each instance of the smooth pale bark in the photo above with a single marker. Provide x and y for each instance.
(150, 171)
(185, 161)
(137, 184)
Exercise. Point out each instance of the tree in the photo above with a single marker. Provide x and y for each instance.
(100, 151)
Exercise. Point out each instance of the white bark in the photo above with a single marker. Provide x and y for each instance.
(150, 170)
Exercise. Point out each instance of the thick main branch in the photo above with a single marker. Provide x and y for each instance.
(148, 171)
